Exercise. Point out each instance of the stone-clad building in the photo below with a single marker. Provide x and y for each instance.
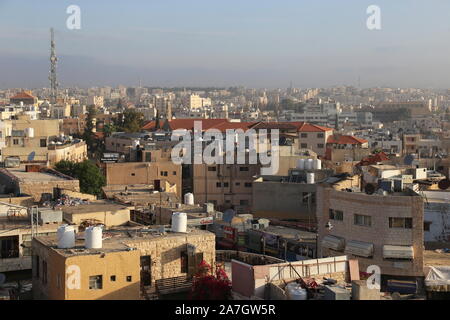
(132, 262)
(382, 230)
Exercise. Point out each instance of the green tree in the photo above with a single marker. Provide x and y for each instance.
(90, 177)
(131, 121)
(88, 134)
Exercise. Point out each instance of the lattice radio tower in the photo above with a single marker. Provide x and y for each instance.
(52, 77)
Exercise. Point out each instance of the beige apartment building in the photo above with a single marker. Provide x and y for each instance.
(34, 141)
(225, 185)
(144, 173)
(314, 137)
(382, 230)
(125, 268)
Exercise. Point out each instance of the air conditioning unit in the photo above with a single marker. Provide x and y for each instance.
(334, 243)
(398, 252)
(359, 248)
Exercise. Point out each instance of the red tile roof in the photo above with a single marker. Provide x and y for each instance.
(373, 159)
(345, 140)
(22, 96)
(308, 127)
(224, 124)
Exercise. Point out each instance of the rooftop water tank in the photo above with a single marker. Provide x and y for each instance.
(66, 236)
(93, 237)
(179, 222)
(310, 178)
(295, 292)
(29, 132)
(189, 198)
(309, 164)
(317, 164)
(301, 164)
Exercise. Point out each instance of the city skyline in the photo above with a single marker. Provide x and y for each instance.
(262, 45)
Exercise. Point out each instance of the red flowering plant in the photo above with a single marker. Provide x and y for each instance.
(210, 284)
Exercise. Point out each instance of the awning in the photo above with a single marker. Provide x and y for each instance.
(359, 248)
(334, 243)
(438, 279)
(398, 252)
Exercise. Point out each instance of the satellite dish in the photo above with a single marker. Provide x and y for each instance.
(409, 159)
(369, 188)
(2, 278)
(31, 156)
(444, 184)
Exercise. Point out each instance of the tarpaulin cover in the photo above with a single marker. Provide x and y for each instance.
(438, 276)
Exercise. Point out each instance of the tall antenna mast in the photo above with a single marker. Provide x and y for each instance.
(52, 77)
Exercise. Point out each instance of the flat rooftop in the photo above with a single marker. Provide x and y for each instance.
(42, 176)
(94, 206)
(433, 258)
(118, 239)
(289, 233)
(139, 194)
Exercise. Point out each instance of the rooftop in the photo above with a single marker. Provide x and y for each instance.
(94, 206)
(118, 239)
(45, 174)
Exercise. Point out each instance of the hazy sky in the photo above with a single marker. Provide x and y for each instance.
(256, 43)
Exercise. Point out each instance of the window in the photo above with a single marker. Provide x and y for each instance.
(336, 215)
(243, 169)
(402, 223)
(226, 184)
(36, 266)
(129, 278)
(303, 135)
(148, 157)
(320, 135)
(58, 281)
(304, 145)
(164, 173)
(243, 202)
(184, 262)
(15, 141)
(113, 278)
(320, 145)
(174, 173)
(133, 174)
(212, 169)
(238, 184)
(361, 220)
(426, 226)
(44, 272)
(218, 185)
(248, 184)
(9, 247)
(43, 143)
(96, 282)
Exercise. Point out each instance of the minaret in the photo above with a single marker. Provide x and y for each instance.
(52, 77)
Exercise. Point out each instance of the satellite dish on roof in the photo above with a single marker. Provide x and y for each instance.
(2, 278)
(369, 188)
(409, 159)
(31, 156)
(444, 184)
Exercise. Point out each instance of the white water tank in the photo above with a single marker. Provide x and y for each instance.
(29, 132)
(66, 236)
(310, 178)
(301, 164)
(179, 222)
(189, 198)
(317, 165)
(135, 143)
(295, 292)
(93, 237)
(309, 164)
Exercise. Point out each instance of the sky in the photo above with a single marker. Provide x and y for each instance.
(253, 43)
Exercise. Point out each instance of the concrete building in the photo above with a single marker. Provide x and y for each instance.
(145, 173)
(37, 184)
(382, 230)
(132, 263)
